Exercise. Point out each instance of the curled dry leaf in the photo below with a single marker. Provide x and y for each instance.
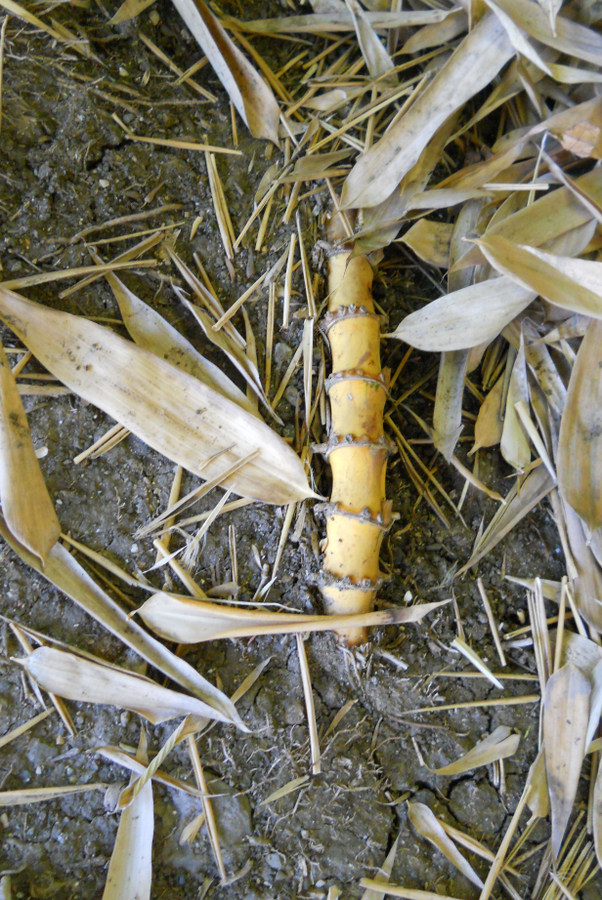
(465, 318)
(168, 409)
(192, 621)
(565, 719)
(26, 506)
(76, 678)
(476, 61)
(500, 744)
(249, 93)
(427, 825)
(579, 463)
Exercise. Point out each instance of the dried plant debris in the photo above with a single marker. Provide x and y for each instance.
(463, 143)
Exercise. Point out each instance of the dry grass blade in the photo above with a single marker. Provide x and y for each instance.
(565, 719)
(168, 409)
(130, 868)
(384, 872)
(465, 318)
(26, 506)
(378, 61)
(597, 815)
(129, 9)
(63, 571)
(427, 825)
(249, 93)
(26, 796)
(192, 621)
(396, 890)
(22, 729)
(472, 66)
(579, 462)
(76, 678)
(515, 443)
(498, 745)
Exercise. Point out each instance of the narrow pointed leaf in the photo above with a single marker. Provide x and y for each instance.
(76, 678)
(477, 60)
(192, 621)
(490, 420)
(130, 868)
(26, 506)
(498, 745)
(565, 718)
(514, 444)
(465, 318)
(170, 410)
(426, 824)
(579, 463)
(249, 93)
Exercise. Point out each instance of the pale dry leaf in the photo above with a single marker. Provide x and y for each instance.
(538, 799)
(150, 330)
(500, 744)
(447, 414)
(465, 318)
(568, 36)
(551, 9)
(595, 710)
(573, 284)
(514, 444)
(430, 241)
(76, 678)
(397, 890)
(24, 498)
(335, 19)
(130, 868)
(519, 40)
(384, 872)
(129, 10)
(522, 498)
(437, 33)
(25, 796)
(565, 718)
(378, 62)
(248, 92)
(579, 462)
(427, 825)
(490, 420)
(586, 572)
(171, 411)
(65, 573)
(475, 62)
(192, 621)
(597, 815)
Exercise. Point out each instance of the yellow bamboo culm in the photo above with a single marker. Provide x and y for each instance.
(358, 514)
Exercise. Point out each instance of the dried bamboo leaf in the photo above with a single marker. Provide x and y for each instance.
(519, 503)
(447, 414)
(336, 20)
(76, 678)
(430, 241)
(249, 93)
(384, 872)
(500, 744)
(538, 799)
(551, 9)
(514, 444)
(579, 463)
(174, 413)
(26, 506)
(427, 825)
(192, 621)
(25, 796)
(465, 318)
(129, 10)
(581, 652)
(65, 573)
(476, 61)
(587, 584)
(150, 330)
(567, 36)
(490, 421)
(438, 33)
(378, 62)
(573, 284)
(519, 40)
(595, 710)
(597, 815)
(397, 890)
(130, 868)
(565, 718)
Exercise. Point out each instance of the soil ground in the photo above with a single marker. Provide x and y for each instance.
(65, 166)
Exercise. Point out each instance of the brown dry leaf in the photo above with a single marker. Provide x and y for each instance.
(26, 506)
(76, 678)
(500, 744)
(249, 93)
(430, 241)
(192, 621)
(579, 463)
(130, 868)
(150, 330)
(565, 718)
(573, 284)
(174, 413)
(538, 799)
(427, 825)
(514, 444)
(490, 420)
(65, 573)
(465, 318)
(475, 62)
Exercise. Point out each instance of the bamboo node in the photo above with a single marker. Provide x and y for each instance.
(355, 375)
